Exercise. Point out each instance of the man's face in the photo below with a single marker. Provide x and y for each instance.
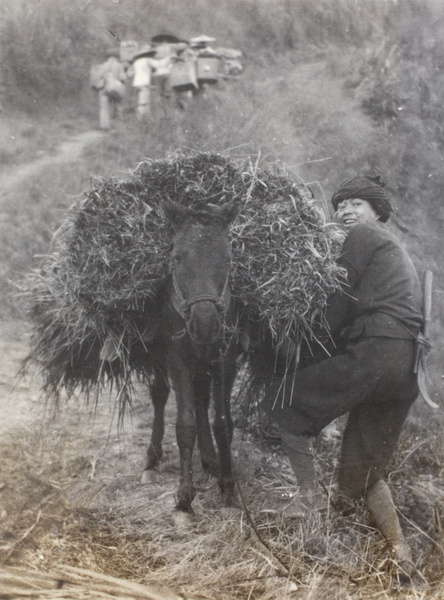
(355, 210)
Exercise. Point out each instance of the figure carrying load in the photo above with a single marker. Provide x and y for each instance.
(141, 69)
(208, 61)
(108, 79)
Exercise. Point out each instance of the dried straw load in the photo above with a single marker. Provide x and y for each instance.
(112, 253)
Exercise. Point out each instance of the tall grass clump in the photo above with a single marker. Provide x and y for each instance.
(44, 49)
(103, 278)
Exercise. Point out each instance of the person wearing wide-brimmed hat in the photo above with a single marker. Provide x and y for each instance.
(207, 61)
(167, 47)
(108, 79)
(141, 69)
(374, 321)
(202, 42)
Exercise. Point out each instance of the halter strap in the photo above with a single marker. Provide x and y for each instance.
(184, 305)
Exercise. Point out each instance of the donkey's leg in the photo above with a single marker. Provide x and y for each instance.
(159, 390)
(202, 388)
(223, 426)
(185, 429)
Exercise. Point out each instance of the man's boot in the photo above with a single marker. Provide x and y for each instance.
(299, 449)
(381, 507)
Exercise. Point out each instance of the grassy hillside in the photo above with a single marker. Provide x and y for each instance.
(329, 88)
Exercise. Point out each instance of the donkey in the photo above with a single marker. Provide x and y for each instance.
(196, 347)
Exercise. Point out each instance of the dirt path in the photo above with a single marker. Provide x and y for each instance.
(68, 151)
(16, 397)
(18, 401)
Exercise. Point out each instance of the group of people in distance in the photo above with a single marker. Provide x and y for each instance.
(178, 67)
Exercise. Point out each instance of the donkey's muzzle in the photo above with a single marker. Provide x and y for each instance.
(205, 323)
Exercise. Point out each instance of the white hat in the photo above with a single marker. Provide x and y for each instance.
(202, 39)
(145, 50)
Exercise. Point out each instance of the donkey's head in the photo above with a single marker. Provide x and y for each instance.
(200, 267)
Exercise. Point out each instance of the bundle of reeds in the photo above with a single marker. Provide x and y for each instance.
(112, 253)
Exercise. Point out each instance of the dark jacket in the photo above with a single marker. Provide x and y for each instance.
(383, 296)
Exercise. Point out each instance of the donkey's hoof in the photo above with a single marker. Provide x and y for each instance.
(404, 572)
(150, 476)
(182, 520)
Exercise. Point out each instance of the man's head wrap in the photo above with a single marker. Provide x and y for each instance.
(365, 188)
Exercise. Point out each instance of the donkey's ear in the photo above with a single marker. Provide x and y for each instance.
(229, 211)
(174, 213)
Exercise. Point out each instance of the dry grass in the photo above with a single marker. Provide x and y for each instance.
(112, 254)
(74, 516)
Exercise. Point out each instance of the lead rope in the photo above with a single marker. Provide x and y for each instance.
(258, 535)
(246, 509)
(261, 540)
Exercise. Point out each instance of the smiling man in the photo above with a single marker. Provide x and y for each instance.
(374, 322)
